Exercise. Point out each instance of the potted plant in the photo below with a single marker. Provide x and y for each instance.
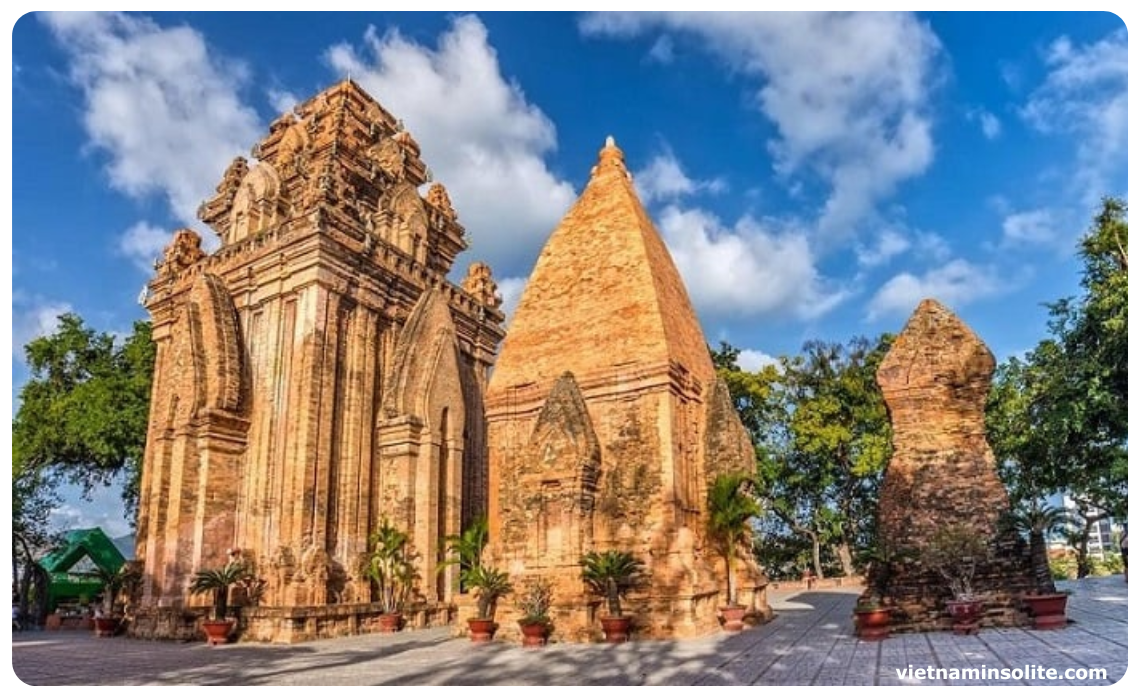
(107, 620)
(218, 582)
(730, 506)
(1045, 603)
(489, 584)
(955, 552)
(389, 565)
(534, 604)
(611, 575)
(872, 618)
(466, 550)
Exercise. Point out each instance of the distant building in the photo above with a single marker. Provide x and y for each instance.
(1102, 536)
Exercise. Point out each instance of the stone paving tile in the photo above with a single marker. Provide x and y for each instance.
(811, 642)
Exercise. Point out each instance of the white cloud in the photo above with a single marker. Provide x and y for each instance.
(143, 244)
(511, 289)
(854, 114)
(989, 123)
(664, 179)
(955, 284)
(746, 270)
(888, 244)
(158, 103)
(282, 101)
(486, 143)
(931, 246)
(32, 317)
(754, 360)
(1035, 227)
(1085, 96)
(104, 509)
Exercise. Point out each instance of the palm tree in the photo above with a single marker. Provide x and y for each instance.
(389, 565)
(466, 550)
(122, 580)
(489, 585)
(730, 506)
(1035, 519)
(218, 582)
(611, 574)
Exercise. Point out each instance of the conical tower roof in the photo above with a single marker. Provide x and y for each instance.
(604, 295)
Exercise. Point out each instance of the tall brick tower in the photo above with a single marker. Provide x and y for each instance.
(314, 374)
(942, 474)
(606, 421)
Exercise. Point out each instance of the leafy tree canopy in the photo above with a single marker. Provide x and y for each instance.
(822, 438)
(1058, 416)
(83, 412)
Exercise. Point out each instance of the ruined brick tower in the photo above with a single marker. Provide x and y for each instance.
(942, 473)
(314, 374)
(606, 421)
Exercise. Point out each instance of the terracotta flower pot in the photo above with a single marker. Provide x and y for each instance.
(389, 622)
(1048, 610)
(534, 633)
(616, 629)
(217, 632)
(873, 624)
(106, 626)
(733, 616)
(481, 630)
(966, 615)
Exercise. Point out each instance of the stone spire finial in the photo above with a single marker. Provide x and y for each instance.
(610, 157)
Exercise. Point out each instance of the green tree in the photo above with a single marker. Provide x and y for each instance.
(33, 498)
(823, 438)
(83, 412)
(1089, 389)
(731, 506)
(1057, 417)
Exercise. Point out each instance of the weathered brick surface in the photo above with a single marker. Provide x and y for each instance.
(605, 422)
(271, 428)
(942, 473)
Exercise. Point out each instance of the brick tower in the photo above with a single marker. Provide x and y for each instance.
(942, 473)
(606, 421)
(316, 373)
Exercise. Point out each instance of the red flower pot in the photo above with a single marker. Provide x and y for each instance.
(966, 615)
(389, 622)
(616, 629)
(873, 624)
(1048, 610)
(106, 626)
(534, 633)
(217, 632)
(733, 616)
(481, 630)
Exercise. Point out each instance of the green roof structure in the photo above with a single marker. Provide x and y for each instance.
(92, 543)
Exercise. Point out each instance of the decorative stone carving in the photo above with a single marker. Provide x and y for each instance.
(389, 157)
(405, 140)
(184, 251)
(438, 198)
(480, 284)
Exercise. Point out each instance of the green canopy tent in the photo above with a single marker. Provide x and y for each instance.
(66, 585)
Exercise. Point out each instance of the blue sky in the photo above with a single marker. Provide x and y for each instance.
(814, 175)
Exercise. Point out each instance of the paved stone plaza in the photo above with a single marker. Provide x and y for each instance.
(810, 642)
